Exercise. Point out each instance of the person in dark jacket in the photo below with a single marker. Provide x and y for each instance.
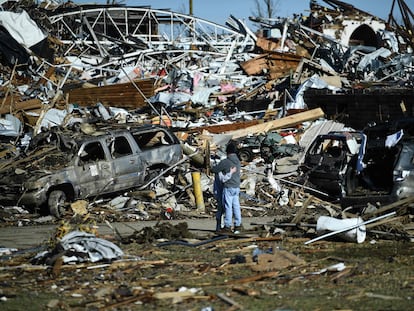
(231, 189)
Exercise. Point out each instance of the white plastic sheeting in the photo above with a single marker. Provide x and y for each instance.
(22, 28)
(52, 117)
(10, 126)
(95, 248)
(314, 82)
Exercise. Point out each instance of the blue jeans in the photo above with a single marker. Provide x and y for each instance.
(231, 205)
(219, 213)
(218, 194)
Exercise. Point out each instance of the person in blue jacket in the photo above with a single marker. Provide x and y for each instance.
(219, 179)
(231, 189)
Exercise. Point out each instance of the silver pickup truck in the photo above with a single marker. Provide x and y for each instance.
(66, 165)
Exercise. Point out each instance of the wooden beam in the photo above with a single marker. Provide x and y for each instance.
(267, 45)
(220, 128)
(288, 121)
(395, 205)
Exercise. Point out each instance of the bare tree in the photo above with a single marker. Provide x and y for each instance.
(265, 8)
(114, 2)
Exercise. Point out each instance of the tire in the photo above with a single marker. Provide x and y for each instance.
(266, 154)
(351, 181)
(57, 203)
(245, 155)
(160, 182)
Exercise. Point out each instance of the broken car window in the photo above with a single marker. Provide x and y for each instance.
(152, 139)
(120, 147)
(92, 152)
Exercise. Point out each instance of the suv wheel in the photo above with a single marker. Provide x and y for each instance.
(56, 203)
(160, 182)
(245, 155)
(351, 181)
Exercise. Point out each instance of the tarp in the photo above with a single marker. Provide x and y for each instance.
(25, 32)
(22, 28)
(10, 126)
(314, 82)
(10, 50)
(86, 243)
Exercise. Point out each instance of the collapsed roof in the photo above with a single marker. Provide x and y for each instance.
(141, 57)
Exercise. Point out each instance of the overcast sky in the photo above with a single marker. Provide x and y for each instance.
(219, 10)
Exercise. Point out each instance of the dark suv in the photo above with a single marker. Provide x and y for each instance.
(386, 171)
(376, 164)
(327, 160)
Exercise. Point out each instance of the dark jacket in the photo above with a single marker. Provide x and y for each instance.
(225, 165)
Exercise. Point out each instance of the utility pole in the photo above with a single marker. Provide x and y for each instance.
(190, 5)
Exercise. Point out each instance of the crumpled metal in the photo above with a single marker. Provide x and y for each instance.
(97, 249)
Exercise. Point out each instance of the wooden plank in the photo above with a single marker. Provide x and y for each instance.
(220, 128)
(254, 278)
(13, 106)
(307, 62)
(255, 65)
(235, 305)
(266, 44)
(275, 62)
(169, 295)
(123, 95)
(288, 121)
(298, 217)
(392, 206)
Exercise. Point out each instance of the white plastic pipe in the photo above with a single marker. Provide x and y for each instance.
(349, 228)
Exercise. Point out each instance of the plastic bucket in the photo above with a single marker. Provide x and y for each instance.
(357, 234)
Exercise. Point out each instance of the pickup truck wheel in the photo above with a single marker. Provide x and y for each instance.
(56, 203)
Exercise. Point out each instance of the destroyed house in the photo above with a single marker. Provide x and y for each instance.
(372, 55)
(359, 107)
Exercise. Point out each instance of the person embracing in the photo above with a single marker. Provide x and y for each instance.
(219, 179)
(230, 167)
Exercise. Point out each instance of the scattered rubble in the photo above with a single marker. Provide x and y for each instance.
(244, 86)
(116, 113)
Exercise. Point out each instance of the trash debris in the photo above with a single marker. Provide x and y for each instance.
(333, 268)
(346, 226)
(114, 114)
(358, 234)
(78, 246)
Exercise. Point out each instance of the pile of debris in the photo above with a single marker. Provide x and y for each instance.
(117, 113)
(94, 69)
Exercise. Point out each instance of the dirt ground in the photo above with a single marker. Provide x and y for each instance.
(168, 267)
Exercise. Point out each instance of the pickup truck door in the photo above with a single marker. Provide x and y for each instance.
(128, 166)
(93, 170)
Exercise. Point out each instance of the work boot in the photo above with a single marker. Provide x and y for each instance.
(225, 230)
(238, 229)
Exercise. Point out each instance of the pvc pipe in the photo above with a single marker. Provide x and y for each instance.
(350, 228)
(326, 223)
